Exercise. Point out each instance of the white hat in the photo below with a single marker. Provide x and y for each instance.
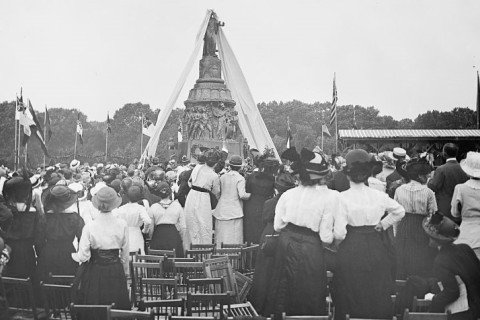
(399, 153)
(74, 164)
(471, 164)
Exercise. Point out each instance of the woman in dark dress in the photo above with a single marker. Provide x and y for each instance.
(264, 264)
(169, 222)
(260, 184)
(362, 279)
(57, 232)
(103, 252)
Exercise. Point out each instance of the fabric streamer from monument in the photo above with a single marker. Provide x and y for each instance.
(215, 116)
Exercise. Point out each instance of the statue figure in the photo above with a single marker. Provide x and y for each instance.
(210, 43)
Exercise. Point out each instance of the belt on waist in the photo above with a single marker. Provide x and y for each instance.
(199, 189)
(302, 230)
(104, 256)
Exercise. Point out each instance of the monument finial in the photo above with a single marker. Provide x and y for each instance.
(209, 40)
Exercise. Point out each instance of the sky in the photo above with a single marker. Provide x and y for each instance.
(402, 57)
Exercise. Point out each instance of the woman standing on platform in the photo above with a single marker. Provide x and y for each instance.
(168, 222)
(362, 278)
(304, 219)
(104, 254)
(57, 231)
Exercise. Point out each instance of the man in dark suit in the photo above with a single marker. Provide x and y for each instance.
(445, 178)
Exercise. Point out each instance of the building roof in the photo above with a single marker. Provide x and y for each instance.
(410, 134)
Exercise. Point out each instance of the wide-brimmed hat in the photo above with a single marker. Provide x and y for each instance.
(134, 194)
(414, 167)
(106, 199)
(58, 197)
(399, 153)
(79, 189)
(235, 161)
(184, 160)
(317, 166)
(471, 164)
(358, 162)
(284, 181)
(18, 187)
(74, 164)
(440, 228)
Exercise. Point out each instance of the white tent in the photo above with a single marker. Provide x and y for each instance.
(249, 119)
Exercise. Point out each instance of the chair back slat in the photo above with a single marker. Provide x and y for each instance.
(131, 315)
(157, 252)
(159, 288)
(199, 254)
(407, 315)
(57, 299)
(91, 312)
(233, 245)
(202, 246)
(149, 258)
(242, 309)
(168, 270)
(249, 254)
(205, 285)
(208, 305)
(163, 308)
(184, 271)
(143, 270)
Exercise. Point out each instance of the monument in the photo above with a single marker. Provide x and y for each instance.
(210, 119)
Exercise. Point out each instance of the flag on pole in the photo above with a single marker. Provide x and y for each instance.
(109, 126)
(333, 110)
(34, 128)
(478, 101)
(289, 134)
(20, 106)
(48, 127)
(180, 134)
(325, 130)
(148, 127)
(79, 128)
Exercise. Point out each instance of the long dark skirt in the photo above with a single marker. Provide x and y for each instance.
(22, 261)
(56, 258)
(167, 237)
(362, 280)
(102, 284)
(299, 282)
(252, 218)
(414, 256)
(261, 279)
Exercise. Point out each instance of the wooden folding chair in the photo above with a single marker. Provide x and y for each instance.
(142, 270)
(149, 258)
(163, 308)
(60, 279)
(407, 315)
(244, 284)
(157, 252)
(293, 317)
(207, 304)
(131, 315)
(56, 300)
(158, 289)
(241, 309)
(235, 260)
(199, 255)
(205, 285)
(202, 246)
(184, 271)
(249, 255)
(233, 245)
(168, 270)
(21, 300)
(420, 305)
(221, 267)
(90, 312)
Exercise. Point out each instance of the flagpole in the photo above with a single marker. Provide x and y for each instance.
(16, 146)
(26, 153)
(75, 148)
(45, 133)
(141, 138)
(106, 141)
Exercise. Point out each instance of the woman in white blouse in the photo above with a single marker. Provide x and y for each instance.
(103, 252)
(135, 215)
(169, 222)
(363, 279)
(304, 219)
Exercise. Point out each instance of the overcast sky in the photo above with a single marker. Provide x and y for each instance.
(402, 57)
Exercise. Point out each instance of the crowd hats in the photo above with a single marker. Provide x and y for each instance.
(74, 164)
(471, 164)
(414, 167)
(106, 199)
(134, 194)
(284, 182)
(212, 156)
(116, 185)
(79, 189)
(184, 160)
(155, 161)
(315, 164)
(19, 187)
(235, 161)
(357, 159)
(399, 153)
(58, 197)
(440, 228)
(171, 175)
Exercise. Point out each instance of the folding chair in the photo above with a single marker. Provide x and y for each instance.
(249, 255)
(168, 253)
(233, 245)
(90, 312)
(142, 270)
(184, 271)
(149, 258)
(202, 246)
(131, 315)
(158, 289)
(221, 267)
(244, 284)
(235, 260)
(207, 304)
(199, 254)
(56, 300)
(20, 297)
(205, 285)
(241, 309)
(163, 308)
(168, 270)
(407, 315)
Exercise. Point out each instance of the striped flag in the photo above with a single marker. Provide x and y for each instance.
(333, 111)
(34, 128)
(289, 134)
(79, 128)
(325, 130)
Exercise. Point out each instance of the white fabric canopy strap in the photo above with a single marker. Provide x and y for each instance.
(249, 119)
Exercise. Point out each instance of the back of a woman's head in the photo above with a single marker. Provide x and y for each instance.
(359, 165)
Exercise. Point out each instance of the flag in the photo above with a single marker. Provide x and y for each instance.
(148, 127)
(109, 126)
(333, 111)
(180, 135)
(20, 107)
(80, 128)
(478, 101)
(34, 127)
(48, 127)
(289, 134)
(325, 130)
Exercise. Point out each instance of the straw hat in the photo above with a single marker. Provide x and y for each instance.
(74, 164)
(235, 161)
(106, 199)
(399, 153)
(58, 197)
(471, 164)
(440, 228)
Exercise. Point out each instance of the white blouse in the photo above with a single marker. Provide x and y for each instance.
(105, 232)
(135, 215)
(365, 206)
(168, 212)
(311, 207)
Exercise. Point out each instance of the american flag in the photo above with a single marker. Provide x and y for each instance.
(333, 111)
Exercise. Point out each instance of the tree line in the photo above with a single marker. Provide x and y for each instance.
(124, 142)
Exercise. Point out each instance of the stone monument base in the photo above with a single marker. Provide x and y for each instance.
(193, 148)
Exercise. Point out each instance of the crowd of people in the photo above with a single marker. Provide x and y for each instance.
(369, 219)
